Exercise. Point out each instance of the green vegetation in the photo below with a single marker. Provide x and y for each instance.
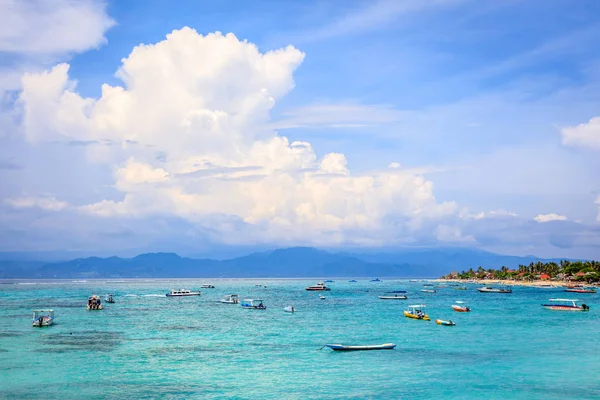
(577, 271)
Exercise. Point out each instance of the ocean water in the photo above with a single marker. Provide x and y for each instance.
(149, 346)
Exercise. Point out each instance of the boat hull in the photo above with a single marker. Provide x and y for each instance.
(340, 347)
(253, 307)
(461, 309)
(445, 323)
(393, 297)
(317, 289)
(580, 291)
(40, 324)
(563, 308)
(93, 308)
(482, 290)
(183, 295)
(414, 316)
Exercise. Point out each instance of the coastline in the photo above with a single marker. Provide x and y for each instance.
(509, 282)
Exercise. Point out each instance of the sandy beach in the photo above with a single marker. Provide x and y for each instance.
(515, 283)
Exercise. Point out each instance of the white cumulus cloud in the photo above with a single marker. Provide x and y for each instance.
(583, 135)
(549, 217)
(189, 135)
(47, 203)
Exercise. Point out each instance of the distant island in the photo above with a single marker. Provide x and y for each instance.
(293, 262)
(562, 271)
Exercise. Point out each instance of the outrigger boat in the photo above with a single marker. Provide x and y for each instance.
(565, 305)
(109, 298)
(341, 347)
(460, 306)
(253, 304)
(489, 289)
(417, 312)
(182, 293)
(230, 299)
(445, 322)
(318, 287)
(42, 318)
(580, 289)
(94, 303)
(394, 295)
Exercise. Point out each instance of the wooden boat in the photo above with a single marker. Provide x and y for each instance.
(182, 293)
(94, 303)
(42, 318)
(460, 306)
(417, 312)
(230, 299)
(565, 305)
(341, 347)
(580, 290)
(445, 322)
(253, 304)
(394, 297)
(490, 289)
(319, 287)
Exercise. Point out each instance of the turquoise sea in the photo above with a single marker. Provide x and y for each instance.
(149, 346)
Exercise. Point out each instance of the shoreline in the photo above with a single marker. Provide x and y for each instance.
(509, 282)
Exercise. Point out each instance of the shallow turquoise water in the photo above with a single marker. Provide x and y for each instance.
(150, 346)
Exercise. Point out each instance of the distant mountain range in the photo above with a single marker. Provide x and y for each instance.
(281, 263)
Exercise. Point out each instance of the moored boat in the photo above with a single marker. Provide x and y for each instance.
(318, 287)
(565, 305)
(352, 281)
(182, 293)
(490, 289)
(341, 347)
(230, 299)
(94, 303)
(289, 309)
(207, 286)
(394, 297)
(460, 306)
(253, 304)
(42, 318)
(109, 298)
(580, 289)
(322, 297)
(417, 311)
(375, 280)
(445, 322)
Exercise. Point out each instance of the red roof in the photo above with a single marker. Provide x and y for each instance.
(580, 273)
(544, 276)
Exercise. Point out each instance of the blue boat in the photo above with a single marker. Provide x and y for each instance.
(376, 280)
(353, 280)
(341, 347)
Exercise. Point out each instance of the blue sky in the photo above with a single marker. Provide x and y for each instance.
(388, 123)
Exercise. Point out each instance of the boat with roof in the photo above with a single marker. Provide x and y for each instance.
(417, 311)
(565, 305)
(394, 295)
(253, 304)
(341, 347)
(42, 318)
(230, 299)
(461, 306)
(318, 287)
(182, 293)
(491, 289)
(94, 303)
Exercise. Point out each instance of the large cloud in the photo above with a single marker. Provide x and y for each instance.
(188, 137)
(583, 135)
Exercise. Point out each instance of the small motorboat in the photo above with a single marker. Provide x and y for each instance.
(42, 318)
(460, 306)
(290, 309)
(230, 299)
(417, 311)
(207, 286)
(352, 281)
(94, 303)
(109, 298)
(322, 297)
(565, 305)
(580, 289)
(375, 280)
(489, 289)
(319, 287)
(182, 293)
(341, 347)
(394, 297)
(444, 322)
(427, 290)
(253, 304)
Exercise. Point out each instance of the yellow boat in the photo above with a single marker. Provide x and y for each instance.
(417, 312)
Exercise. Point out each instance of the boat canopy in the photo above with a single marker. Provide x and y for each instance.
(564, 300)
(417, 306)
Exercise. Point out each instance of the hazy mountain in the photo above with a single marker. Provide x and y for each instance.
(289, 262)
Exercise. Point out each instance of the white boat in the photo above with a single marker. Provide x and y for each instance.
(230, 299)
(42, 318)
(253, 304)
(94, 303)
(318, 287)
(565, 305)
(490, 289)
(207, 286)
(290, 309)
(109, 298)
(322, 297)
(427, 290)
(460, 306)
(341, 347)
(182, 293)
(394, 297)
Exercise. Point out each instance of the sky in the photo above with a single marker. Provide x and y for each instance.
(132, 126)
